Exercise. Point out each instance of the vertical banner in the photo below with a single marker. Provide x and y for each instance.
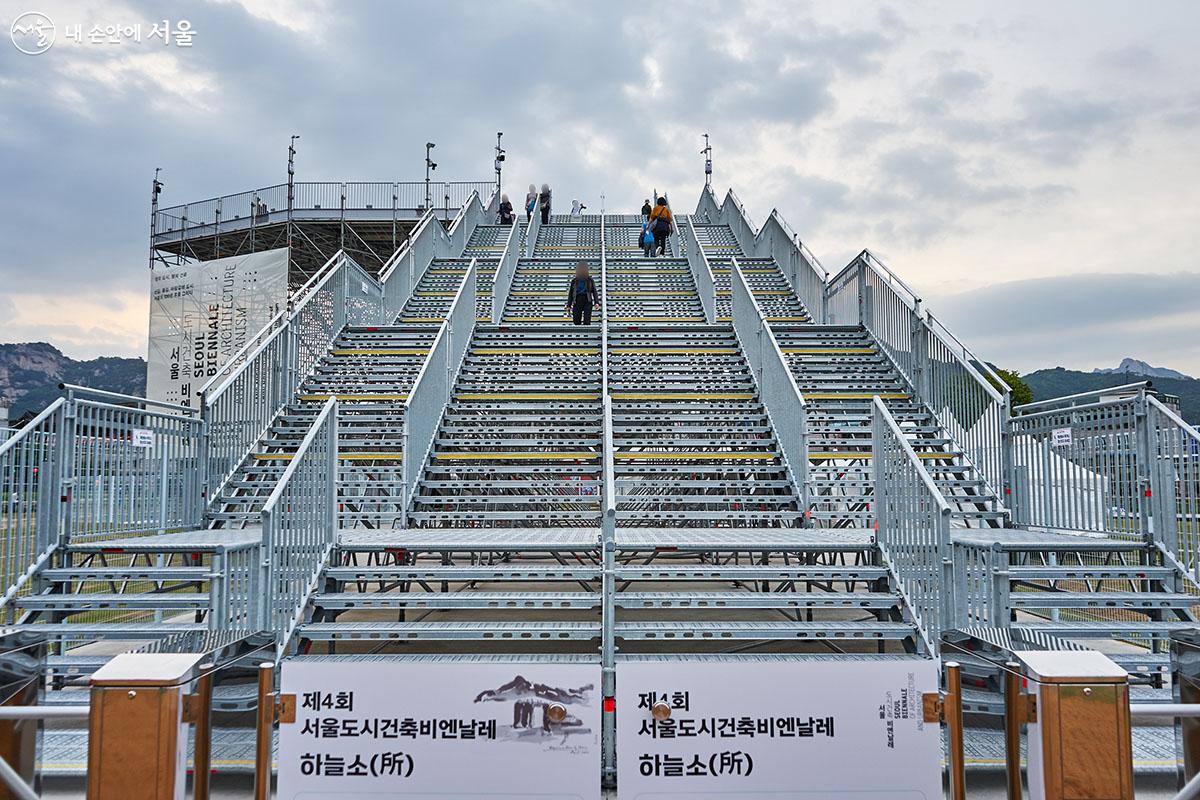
(788, 730)
(202, 313)
(440, 730)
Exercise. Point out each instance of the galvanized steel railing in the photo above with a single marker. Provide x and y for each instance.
(241, 408)
(944, 375)
(1174, 451)
(375, 199)
(531, 232)
(31, 474)
(506, 270)
(403, 271)
(702, 274)
(913, 528)
(95, 465)
(299, 528)
(472, 214)
(434, 383)
(776, 386)
(135, 466)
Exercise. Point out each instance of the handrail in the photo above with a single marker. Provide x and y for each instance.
(877, 263)
(28, 429)
(402, 251)
(968, 358)
(73, 389)
(1055, 401)
(702, 274)
(434, 384)
(912, 528)
(779, 393)
(506, 271)
(236, 363)
(299, 528)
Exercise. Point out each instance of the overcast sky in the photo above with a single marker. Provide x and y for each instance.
(1030, 167)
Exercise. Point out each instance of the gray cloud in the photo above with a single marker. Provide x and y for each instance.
(1081, 320)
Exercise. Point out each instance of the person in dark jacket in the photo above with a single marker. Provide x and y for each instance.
(661, 225)
(544, 204)
(582, 296)
(506, 210)
(530, 202)
(646, 209)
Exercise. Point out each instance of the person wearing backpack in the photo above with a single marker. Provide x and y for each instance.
(661, 224)
(530, 202)
(506, 210)
(646, 209)
(544, 204)
(582, 296)
(646, 239)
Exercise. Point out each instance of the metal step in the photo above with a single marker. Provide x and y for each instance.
(463, 599)
(798, 600)
(490, 631)
(698, 631)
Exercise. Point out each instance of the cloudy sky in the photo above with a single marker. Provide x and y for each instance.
(1030, 167)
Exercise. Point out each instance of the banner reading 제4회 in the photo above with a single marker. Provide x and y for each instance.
(202, 313)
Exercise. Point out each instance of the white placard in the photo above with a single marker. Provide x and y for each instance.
(142, 438)
(449, 731)
(1060, 437)
(202, 313)
(803, 729)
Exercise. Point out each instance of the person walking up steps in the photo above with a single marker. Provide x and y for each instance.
(582, 296)
(544, 204)
(646, 240)
(530, 202)
(506, 210)
(661, 224)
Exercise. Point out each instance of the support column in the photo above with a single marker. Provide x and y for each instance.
(137, 731)
(1080, 742)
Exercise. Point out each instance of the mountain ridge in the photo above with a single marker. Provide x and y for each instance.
(1059, 381)
(1137, 367)
(30, 373)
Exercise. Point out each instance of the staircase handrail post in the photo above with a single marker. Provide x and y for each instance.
(506, 270)
(1146, 463)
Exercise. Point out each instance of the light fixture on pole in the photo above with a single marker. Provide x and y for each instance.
(707, 153)
(499, 159)
(430, 166)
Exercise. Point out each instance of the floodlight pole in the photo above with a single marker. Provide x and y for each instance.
(156, 188)
(429, 167)
(707, 153)
(291, 192)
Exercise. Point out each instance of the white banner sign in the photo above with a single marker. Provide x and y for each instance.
(805, 729)
(142, 438)
(202, 313)
(1060, 437)
(449, 731)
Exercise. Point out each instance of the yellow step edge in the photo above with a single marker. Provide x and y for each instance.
(422, 319)
(516, 455)
(459, 272)
(537, 294)
(350, 398)
(529, 396)
(787, 319)
(633, 351)
(693, 456)
(536, 351)
(856, 395)
(821, 456)
(399, 351)
(680, 396)
(655, 319)
(655, 293)
(343, 456)
(817, 351)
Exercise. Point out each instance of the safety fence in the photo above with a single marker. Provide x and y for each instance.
(913, 527)
(470, 215)
(1113, 461)
(299, 527)
(945, 376)
(777, 388)
(93, 466)
(434, 383)
(269, 204)
(403, 270)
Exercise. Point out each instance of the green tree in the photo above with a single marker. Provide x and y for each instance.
(1021, 393)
